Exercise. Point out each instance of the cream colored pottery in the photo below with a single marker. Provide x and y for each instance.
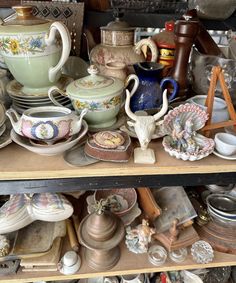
(32, 51)
(117, 45)
(101, 95)
(116, 70)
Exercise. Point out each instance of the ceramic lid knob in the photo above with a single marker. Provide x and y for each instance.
(93, 70)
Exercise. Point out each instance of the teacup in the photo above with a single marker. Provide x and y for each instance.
(70, 263)
(225, 143)
(47, 123)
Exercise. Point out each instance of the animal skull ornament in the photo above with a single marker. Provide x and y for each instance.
(144, 126)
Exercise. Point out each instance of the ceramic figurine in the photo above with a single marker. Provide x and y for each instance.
(144, 127)
(182, 140)
(137, 239)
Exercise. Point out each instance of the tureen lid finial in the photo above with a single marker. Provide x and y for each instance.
(93, 70)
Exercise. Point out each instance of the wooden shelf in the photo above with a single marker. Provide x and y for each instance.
(22, 171)
(129, 263)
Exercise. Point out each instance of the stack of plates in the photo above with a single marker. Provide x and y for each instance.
(5, 128)
(22, 101)
(222, 208)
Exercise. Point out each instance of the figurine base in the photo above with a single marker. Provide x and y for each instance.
(146, 156)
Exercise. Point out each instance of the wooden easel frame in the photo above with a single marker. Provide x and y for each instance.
(217, 74)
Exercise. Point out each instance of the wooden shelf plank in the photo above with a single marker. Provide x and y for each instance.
(16, 163)
(129, 263)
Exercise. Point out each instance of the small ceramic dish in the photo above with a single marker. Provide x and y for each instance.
(225, 144)
(126, 199)
(70, 263)
(226, 157)
(206, 147)
(50, 149)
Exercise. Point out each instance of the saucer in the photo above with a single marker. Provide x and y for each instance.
(14, 88)
(130, 131)
(127, 219)
(119, 122)
(228, 157)
(77, 157)
(50, 150)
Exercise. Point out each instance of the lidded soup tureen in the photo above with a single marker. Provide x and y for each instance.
(32, 50)
(101, 95)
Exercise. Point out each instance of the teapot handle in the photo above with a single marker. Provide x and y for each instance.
(66, 47)
(51, 97)
(151, 44)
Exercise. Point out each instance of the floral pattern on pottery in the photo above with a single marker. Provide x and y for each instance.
(97, 105)
(23, 45)
(46, 130)
(90, 84)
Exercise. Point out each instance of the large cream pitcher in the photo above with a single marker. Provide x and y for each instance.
(32, 50)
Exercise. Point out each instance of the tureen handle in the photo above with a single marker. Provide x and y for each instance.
(66, 47)
(51, 92)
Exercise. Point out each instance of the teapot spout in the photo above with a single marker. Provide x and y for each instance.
(14, 119)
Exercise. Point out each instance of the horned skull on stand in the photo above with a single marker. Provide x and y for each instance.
(144, 127)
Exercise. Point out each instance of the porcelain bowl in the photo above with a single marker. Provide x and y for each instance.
(46, 123)
(129, 195)
(225, 143)
(49, 150)
(220, 111)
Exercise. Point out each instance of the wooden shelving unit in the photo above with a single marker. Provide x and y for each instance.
(22, 171)
(129, 263)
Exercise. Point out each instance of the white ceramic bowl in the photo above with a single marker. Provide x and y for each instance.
(220, 111)
(225, 143)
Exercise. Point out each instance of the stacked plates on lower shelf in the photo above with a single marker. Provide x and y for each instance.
(5, 127)
(222, 209)
(22, 101)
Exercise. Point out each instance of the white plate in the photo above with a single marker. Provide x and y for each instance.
(228, 157)
(49, 150)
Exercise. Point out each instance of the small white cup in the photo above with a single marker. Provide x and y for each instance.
(225, 143)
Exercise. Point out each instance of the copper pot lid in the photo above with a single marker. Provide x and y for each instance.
(91, 243)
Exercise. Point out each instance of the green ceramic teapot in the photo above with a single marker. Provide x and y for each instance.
(32, 51)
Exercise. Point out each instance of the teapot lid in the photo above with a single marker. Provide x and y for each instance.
(118, 25)
(23, 16)
(94, 85)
